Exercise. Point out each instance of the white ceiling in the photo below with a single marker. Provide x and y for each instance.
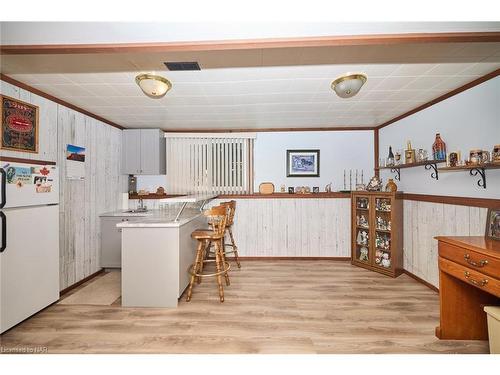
(251, 88)
(135, 32)
(264, 97)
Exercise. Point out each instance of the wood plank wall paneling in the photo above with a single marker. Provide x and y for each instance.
(80, 202)
(292, 227)
(423, 221)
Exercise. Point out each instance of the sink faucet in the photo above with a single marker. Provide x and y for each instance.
(142, 207)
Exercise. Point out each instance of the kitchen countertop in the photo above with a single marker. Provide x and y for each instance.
(122, 213)
(162, 219)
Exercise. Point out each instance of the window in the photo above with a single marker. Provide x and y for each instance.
(209, 163)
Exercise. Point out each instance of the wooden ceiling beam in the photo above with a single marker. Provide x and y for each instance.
(249, 44)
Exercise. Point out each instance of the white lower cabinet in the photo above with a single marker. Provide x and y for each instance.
(111, 241)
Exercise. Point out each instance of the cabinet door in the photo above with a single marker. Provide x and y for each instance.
(362, 229)
(383, 222)
(150, 151)
(111, 241)
(131, 151)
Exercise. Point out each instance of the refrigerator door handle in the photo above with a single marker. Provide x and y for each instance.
(4, 232)
(2, 193)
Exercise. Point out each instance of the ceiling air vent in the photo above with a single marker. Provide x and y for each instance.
(189, 65)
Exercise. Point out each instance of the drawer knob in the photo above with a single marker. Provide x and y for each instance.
(481, 263)
(481, 283)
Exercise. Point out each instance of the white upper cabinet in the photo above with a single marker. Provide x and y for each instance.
(143, 152)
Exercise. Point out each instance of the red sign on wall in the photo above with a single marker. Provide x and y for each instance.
(19, 125)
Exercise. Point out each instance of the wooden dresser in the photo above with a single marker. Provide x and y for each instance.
(469, 279)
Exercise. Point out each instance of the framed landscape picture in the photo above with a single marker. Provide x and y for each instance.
(18, 125)
(302, 163)
(493, 224)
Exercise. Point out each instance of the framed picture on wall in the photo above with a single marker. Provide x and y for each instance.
(18, 125)
(302, 163)
(493, 224)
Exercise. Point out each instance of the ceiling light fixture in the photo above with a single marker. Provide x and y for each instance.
(152, 85)
(348, 85)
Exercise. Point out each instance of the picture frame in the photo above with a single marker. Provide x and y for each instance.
(315, 189)
(291, 190)
(453, 159)
(19, 125)
(493, 224)
(302, 163)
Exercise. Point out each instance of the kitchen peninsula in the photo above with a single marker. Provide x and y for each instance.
(157, 251)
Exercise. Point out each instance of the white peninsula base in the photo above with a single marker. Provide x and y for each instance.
(156, 255)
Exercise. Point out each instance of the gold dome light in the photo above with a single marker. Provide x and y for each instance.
(348, 85)
(153, 85)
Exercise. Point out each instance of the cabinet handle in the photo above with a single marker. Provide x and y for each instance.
(481, 283)
(481, 263)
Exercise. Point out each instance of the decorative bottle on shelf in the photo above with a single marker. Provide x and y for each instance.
(439, 148)
(409, 154)
(390, 158)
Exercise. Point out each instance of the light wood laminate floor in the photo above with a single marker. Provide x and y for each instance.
(275, 306)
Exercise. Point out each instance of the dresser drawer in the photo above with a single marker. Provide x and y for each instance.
(471, 259)
(473, 277)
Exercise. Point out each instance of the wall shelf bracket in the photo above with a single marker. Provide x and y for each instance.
(482, 181)
(433, 166)
(398, 173)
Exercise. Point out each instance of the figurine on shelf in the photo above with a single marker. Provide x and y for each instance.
(363, 254)
(439, 148)
(386, 262)
(328, 188)
(383, 224)
(363, 203)
(378, 256)
(362, 222)
(383, 205)
(375, 184)
(391, 186)
(362, 238)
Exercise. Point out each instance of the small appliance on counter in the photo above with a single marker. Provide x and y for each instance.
(132, 184)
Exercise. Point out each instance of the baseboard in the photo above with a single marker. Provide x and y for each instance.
(292, 258)
(422, 281)
(77, 284)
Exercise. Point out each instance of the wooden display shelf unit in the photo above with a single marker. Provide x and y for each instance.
(395, 234)
(428, 165)
(474, 170)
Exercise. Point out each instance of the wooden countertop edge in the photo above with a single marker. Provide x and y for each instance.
(459, 242)
(255, 196)
(461, 201)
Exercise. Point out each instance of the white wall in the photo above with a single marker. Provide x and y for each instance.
(466, 121)
(80, 202)
(339, 150)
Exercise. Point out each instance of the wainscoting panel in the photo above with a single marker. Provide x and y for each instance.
(423, 221)
(83, 201)
(293, 227)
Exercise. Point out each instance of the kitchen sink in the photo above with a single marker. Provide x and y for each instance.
(136, 211)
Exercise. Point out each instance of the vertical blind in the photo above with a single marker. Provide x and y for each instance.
(204, 163)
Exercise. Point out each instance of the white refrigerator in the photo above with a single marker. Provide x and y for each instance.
(29, 252)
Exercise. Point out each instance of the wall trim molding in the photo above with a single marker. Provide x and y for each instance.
(27, 161)
(454, 92)
(43, 94)
(460, 201)
(251, 44)
(78, 283)
(343, 259)
(264, 130)
(420, 280)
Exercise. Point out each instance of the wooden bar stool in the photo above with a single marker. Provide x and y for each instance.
(231, 209)
(210, 254)
(217, 217)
